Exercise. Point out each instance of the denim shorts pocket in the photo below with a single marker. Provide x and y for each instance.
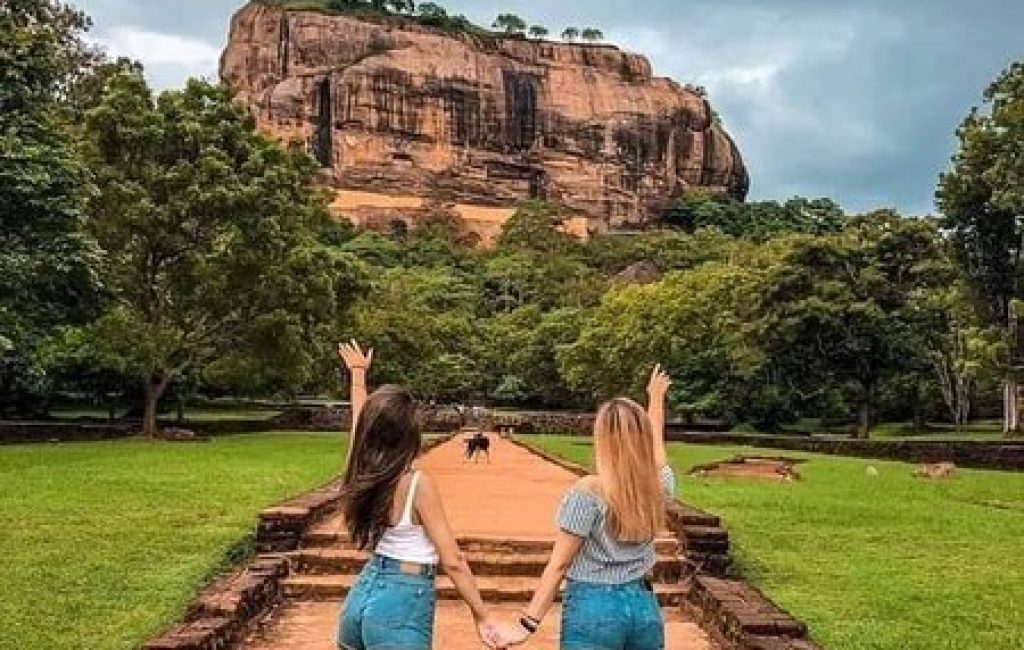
(590, 620)
(401, 614)
(649, 630)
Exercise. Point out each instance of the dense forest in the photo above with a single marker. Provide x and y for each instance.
(155, 246)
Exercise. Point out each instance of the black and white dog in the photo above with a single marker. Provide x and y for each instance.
(476, 445)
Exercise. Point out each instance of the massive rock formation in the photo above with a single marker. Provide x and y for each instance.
(399, 114)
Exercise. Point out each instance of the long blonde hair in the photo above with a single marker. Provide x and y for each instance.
(624, 451)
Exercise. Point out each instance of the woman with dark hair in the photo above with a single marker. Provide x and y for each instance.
(395, 511)
(605, 546)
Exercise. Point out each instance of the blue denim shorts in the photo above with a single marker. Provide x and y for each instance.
(611, 617)
(388, 609)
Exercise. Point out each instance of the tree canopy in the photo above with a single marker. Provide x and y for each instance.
(211, 237)
(46, 258)
(982, 202)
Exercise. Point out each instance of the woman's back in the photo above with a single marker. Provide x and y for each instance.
(405, 540)
(603, 558)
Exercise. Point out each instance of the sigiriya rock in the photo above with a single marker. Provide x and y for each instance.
(402, 115)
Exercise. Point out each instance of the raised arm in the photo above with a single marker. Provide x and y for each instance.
(358, 364)
(657, 387)
(434, 519)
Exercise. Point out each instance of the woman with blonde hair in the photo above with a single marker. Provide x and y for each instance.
(605, 545)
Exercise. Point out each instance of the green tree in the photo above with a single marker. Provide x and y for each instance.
(841, 313)
(536, 226)
(210, 234)
(47, 261)
(570, 34)
(982, 201)
(963, 352)
(509, 24)
(759, 220)
(402, 6)
(697, 324)
(422, 323)
(592, 35)
(432, 11)
(535, 262)
(523, 356)
(539, 32)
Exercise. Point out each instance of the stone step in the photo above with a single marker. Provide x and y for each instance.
(348, 561)
(332, 535)
(493, 589)
(311, 625)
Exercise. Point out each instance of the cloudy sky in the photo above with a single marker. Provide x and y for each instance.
(856, 100)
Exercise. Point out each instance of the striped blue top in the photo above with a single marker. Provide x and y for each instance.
(602, 558)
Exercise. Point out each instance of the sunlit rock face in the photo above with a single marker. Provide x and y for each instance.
(400, 115)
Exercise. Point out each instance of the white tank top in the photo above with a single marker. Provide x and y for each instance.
(405, 541)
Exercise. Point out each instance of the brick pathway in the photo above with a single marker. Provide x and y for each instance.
(503, 514)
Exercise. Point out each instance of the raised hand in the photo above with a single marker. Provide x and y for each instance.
(658, 385)
(354, 357)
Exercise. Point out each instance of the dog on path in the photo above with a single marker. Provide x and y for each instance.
(478, 445)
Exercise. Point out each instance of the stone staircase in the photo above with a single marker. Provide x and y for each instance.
(290, 595)
(326, 565)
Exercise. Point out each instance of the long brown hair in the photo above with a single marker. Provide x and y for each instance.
(385, 443)
(624, 449)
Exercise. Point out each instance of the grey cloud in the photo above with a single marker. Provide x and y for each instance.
(853, 99)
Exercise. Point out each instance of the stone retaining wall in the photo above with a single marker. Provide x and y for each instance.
(736, 613)
(1003, 454)
(15, 432)
(23, 432)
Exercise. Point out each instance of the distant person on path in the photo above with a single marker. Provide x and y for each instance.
(396, 511)
(605, 546)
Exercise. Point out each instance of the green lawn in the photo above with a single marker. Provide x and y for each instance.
(104, 543)
(872, 562)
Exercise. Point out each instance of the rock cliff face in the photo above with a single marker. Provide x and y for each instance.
(400, 114)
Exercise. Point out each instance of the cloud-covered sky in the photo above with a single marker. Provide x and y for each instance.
(857, 100)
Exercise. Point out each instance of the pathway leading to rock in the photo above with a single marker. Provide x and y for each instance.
(503, 514)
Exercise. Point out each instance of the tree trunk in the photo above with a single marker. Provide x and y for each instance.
(864, 419)
(1011, 407)
(154, 390)
(920, 421)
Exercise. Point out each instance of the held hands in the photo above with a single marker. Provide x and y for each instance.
(515, 635)
(354, 357)
(501, 637)
(658, 385)
(491, 634)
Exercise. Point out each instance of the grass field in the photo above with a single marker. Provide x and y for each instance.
(103, 544)
(872, 562)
